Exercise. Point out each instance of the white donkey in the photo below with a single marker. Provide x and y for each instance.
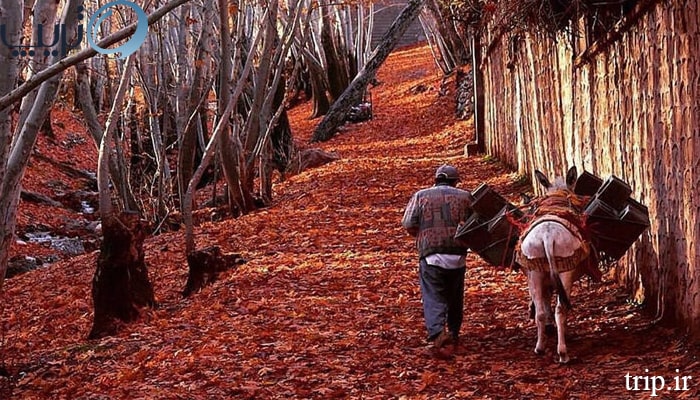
(550, 251)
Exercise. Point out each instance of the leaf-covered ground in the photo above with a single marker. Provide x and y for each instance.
(328, 305)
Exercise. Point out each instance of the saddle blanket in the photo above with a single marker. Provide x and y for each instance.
(562, 264)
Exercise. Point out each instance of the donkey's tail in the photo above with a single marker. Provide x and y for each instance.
(558, 285)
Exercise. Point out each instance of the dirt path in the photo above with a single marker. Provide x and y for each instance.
(328, 305)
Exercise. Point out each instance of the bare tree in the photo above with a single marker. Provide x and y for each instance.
(338, 111)
(247, 151)
(117, 170)
(12, 14)
(120, 286)
(245, 56)
(192, 104)
(210, 150)
(56, 68)
(334, 51)
(154, 77)
(447, 42)
(16, 149)
(318, 82)
(331, 55)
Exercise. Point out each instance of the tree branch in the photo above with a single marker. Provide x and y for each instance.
(82, 55)
(110, 125)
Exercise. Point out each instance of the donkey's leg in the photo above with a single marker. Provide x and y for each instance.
(550, 329)
(538, 291)
(567, 279)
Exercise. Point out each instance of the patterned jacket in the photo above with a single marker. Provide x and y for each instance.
(432, 215)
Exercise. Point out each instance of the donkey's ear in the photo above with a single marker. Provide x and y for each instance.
(542, 179)
(571, 176)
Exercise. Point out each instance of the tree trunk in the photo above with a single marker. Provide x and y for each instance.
(257, 120)
(275, 99)
(240, 199)
(195, 104)
(86, 101)
(339, 110)
(281, 140)
(337, 75)
(319, 87)
(152, 76)
(120, 287)
(8, 79)
(478, 88)
(16, 156)
(39, 198)
(436, 43)
(282, 144)
(186, 56)
(12, 22)
(44, 15)
(7, 229)
(46, 128)
(452, 44)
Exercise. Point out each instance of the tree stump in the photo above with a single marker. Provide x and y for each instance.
(309, 158)
(120, 287)
(205, 265)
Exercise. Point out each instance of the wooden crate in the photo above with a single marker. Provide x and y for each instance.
(474, 233)
(615, 192)
(587, 184)
(487, 203)
(613, 232)
(492, 239)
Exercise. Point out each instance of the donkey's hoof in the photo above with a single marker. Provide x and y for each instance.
(563, 358)
(539, 352)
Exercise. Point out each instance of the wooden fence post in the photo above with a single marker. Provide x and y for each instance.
(479, 129)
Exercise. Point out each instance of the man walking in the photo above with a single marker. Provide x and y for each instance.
(432, 216)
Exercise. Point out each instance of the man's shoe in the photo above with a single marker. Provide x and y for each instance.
(443, 347)
(443, 339)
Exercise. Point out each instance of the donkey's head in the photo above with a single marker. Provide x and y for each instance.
(559, 182)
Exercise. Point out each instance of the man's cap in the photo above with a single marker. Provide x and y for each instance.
(447, 172)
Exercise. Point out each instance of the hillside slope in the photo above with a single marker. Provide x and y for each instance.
(328, 305)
